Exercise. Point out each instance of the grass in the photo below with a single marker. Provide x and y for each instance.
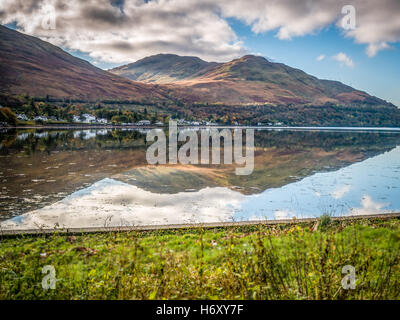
(295, 261)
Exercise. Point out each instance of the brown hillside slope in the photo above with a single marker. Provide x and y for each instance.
(31, 66)
(250, 79)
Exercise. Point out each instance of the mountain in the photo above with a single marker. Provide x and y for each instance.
(250, 79)
(31, 66)
(164, 68)
(38, 68)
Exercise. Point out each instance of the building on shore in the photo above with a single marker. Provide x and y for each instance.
(144, 123)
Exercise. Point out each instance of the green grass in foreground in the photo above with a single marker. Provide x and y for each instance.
(302, 261)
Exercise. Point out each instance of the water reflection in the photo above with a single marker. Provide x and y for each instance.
(369, 187)
(97, 177)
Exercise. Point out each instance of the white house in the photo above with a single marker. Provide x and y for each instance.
(40, 118)
(211, 123)
(144, 122)
(102, 120)
(22, 117)
(181, 122)
(88, 118)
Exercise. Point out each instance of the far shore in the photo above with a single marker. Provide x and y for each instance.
(100, 126)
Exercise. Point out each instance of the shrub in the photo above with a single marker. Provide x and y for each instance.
(6, 115)
(325, 221)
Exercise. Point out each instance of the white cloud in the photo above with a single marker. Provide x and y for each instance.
(114, 203)
(368, 206)
(373, 48)
(377, 22)
(289, 18)
(131, 31)
(340, 192)
(344, 59)
(134, 29)
(321, 57)
(283, 214)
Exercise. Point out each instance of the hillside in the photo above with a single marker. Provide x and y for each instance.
(164, 68)
(250, 79)
(31, 66)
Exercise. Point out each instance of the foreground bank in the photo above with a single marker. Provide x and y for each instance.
(291, 261)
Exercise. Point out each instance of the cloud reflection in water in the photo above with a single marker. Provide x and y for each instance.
(368, 187)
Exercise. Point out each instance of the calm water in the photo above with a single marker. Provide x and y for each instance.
(84, 178)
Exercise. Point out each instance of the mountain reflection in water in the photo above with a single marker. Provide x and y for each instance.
(100, 178)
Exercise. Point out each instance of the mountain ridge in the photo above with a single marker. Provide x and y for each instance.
(249, 79)
(37, 68)
(174, 68)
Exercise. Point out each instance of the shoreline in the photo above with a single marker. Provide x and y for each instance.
(209, 225)
(298, 128)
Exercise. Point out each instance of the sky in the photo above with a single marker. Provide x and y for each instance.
(357, 45)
